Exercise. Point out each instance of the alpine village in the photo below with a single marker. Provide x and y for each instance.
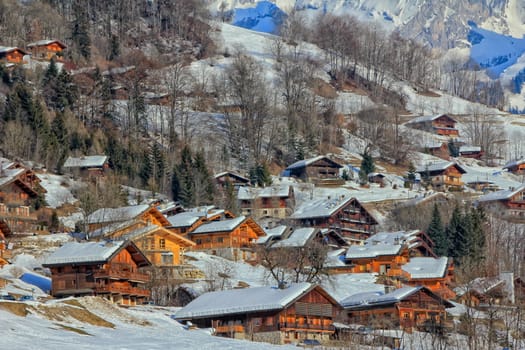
(331, 184)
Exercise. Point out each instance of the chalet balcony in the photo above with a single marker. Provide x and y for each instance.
(124, 290)
(285, 326)
(119, 274)
(234, 328)
(516, 205)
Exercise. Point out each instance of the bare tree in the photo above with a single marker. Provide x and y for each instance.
(484, 131)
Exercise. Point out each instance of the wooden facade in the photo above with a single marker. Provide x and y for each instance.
(47, 50)
(507, 204)
(233, 179)
(12, 55)
(117, 278)
(349, 218)
(419, 309)
(144, 213)
(443, 125)
(236, 241)
(439, 150)
(517, 167)
(387, 264)
(316, 169)
(444, 178)
(310, 316)
(270, 202)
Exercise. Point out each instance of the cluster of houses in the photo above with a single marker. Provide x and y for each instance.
(40, 50)
(122, 247)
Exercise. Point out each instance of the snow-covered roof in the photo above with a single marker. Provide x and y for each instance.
(375, 298)
(275, 232)
(220, 226)
(431, 145)
(8, 175)
(249, 193)
(320, 208)
(185, 219)
(501, 195)
(438, 166)
(428, 118)
(305, 162)
(85, 161)
(7, 49)
(116, 214)
(298, 238)
(101, 232)
(45, 42)
(75, 252)
(245, 179)
(514, 163)
(371, 250)
(468, 149)
(246, 300)
(426, 267)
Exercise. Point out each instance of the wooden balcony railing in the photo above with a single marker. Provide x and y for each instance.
(234, 328)
(307, 326)
(119, 274)
(124, 290)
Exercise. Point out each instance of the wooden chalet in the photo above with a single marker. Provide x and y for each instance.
(505, 289)
(408, 308)
(266, 314)
(233, 179)
(436, 274)
(377, 256)
(187, 221)
(13, 55)
(87, 166)
(377, 178)
(474, 152)
(230, 238)
(508, 204)
(438, 149)
(19, 190)
(517, 167)
(277, 201)
(443, 176)
(320, 170)
(114, 216)
(47, 50)
(441, 124)
(161, 246)
(346, 215)
(298, 238)
(108, 269)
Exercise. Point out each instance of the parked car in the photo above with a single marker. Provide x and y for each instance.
(7, 297)
(309, 343)
(26, 298)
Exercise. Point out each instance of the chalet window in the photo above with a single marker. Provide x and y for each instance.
(183, 230)
(257, 321)
(198, 241)
(220, 239)
(268, 321)
(243, 229)
(162, 243)
(167, 259)
(406, 315)
(208, 240)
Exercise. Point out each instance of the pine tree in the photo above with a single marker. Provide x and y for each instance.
(456, 232)
(202, 181)
(436, 232)
(476, 234)
(80, 30)
(146, 169)
(367, 167)
(175, 184)
(411, 175)
(185, 172)
(260, 175)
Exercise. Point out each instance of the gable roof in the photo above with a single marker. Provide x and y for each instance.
(298, 238)
(227, 225)
(144, 231)
(468, 149)
(232, 174)
(426, 267)
(322, 208)
(273, 191)
(273, 233)
(121, 214)
(92, 253)
(9, 175)
(371, 250)
(46, 42)
(514, 163)
(306, 162)
(429, 118)
(7, 49)
(363, 300)
(85, 161)
(236, 301)
(438, 167)
(501, 195)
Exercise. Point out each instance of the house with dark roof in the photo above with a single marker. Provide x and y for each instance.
(108, 269)
(87, 166)
(517, 166)
(187, 221)
(441, 124)
(275, 201)
(442, 176)
(408, 308)
(47, 50)
(266, 314)
(232, 178)
(346, 215)
(508, 204)
(474, 152)
(231, 238)
(320, 169)
(437, 149)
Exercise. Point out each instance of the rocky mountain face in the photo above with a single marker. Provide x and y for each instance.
(439, 23)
